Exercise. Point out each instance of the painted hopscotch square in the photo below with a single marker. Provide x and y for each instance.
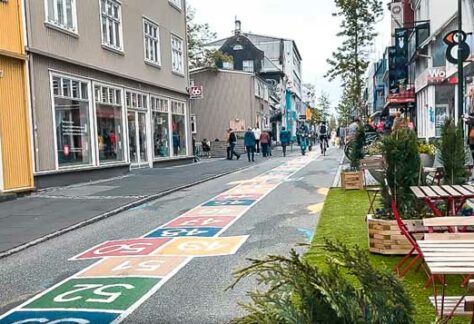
(249, 190)
(230, 202)
(203, 247)
(232, 211)
(143, 267)
(59, 317)
(133, 247)
(185, 232)
(198, 222)
(116, 294)
(226, 196)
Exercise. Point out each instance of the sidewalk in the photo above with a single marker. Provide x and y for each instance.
(29, 219)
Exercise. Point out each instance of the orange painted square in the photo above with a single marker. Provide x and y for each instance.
(231, 211)
(202, 246)
(148, 266)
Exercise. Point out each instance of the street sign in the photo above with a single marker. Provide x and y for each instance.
(196, 92)
(454, 40)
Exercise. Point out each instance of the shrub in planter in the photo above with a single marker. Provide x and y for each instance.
(348, 290)
(353, 178)
(453, 153)
(427, 154)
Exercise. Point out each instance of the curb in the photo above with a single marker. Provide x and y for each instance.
(115, 212)
(337, 179)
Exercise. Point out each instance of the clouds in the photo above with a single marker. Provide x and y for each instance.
(308, 22)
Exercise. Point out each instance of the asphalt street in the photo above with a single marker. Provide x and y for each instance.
(195, 291)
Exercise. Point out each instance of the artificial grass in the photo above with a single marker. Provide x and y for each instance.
(343, 219)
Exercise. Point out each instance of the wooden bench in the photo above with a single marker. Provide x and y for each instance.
(449, 236)
(464, 309)
(450, 222)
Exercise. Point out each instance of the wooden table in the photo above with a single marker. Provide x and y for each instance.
(455, 196)
(448, 257)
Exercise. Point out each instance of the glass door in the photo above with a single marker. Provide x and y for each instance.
(137, 133)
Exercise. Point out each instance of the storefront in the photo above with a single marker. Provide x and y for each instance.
(97, 126)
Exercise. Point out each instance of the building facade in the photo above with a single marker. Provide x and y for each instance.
(16, 167)
(232, 99)
(108, 87)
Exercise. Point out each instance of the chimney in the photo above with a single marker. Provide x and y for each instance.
(238, 26)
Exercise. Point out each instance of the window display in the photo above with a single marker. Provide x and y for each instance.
(71, 106)
(109, 123)
(178, 124)
(160, 114)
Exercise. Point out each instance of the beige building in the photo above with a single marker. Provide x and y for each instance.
(109, 86)
(232, 99)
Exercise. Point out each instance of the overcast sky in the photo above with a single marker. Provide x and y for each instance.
(308, 22)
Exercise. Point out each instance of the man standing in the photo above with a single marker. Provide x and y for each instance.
(249, 141)
(232, 141)
(257, 132)
(284, 139)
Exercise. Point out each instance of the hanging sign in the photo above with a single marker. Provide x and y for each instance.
(196, 92)
(455, 40)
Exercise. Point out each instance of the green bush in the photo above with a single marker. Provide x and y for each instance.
(453, 153)
(357, 148)
(348, 290)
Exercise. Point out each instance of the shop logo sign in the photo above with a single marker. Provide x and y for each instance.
(436, 75)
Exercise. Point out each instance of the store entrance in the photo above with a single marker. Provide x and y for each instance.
(137, 135)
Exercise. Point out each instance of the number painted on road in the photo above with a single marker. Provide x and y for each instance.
(99, 290)
(58, 321)
(201, 246)
(145, 266)
(124, 248)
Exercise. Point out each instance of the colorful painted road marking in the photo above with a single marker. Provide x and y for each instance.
(135, 247)
(59, 317)
(148, 267)
(202, 246)
(130, 271)
(114, 294)
(185, 232)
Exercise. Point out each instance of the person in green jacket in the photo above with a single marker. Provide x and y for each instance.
(285, 138)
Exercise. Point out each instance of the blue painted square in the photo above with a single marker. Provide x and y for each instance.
(239, 202)
(63, 317)
(184, 232)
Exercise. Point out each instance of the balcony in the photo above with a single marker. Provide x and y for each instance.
(405, 96)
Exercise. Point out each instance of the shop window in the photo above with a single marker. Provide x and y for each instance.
(71, 107)
(110, 134)
(178, 127)
(161, 129)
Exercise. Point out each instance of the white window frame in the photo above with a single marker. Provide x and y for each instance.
(228, 65)
(178, 4)
(181, 50)
(54, 23)
(186, 125)
(150, 40)
(193, 121)
(105, 41)
(253, 66)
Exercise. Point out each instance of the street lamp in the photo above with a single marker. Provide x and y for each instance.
(460, 67)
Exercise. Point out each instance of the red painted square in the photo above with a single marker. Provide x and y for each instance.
(213, 221)
(133, 247)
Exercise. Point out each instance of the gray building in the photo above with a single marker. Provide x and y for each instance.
(232, 99)
(109, 85)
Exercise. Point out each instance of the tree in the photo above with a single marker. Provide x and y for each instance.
(324, 105)
(453, 153)
(350, 60)
(198, 36)
(332, 123)
(345, 109)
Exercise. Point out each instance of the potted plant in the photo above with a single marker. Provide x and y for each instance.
(427, 154)
(353, 178)
(402, 171)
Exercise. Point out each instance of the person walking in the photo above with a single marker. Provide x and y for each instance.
(250, 142)
(257, 132)
(285, 138)
(265, 142)
(232, 141)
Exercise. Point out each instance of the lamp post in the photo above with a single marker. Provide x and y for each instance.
(460, 67)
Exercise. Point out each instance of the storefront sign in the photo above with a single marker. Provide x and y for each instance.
(436, 75)
(196, 92)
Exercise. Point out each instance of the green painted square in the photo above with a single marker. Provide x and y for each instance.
(100, 294)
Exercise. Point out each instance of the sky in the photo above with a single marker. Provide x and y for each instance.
(308, 22)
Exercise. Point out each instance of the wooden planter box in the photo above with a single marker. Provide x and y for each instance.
(385, 236)
(352, 180)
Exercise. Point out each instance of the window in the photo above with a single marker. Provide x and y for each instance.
(136, 100)
(110, 135)
(177, 3)
(247, 66)
(111, 20)
(62, 14)
(178, 125)
(193, 124)
(161, 129)
(71, 113)
(228, 65)
(177, 54)
(151, 33)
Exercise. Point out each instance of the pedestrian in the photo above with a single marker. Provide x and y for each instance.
(232, 141)
(250, 142)
(265, 141)
(353, 128)
(257, 132)
(398, 122)
(284, 139)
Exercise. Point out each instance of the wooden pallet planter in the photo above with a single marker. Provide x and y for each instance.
(385, 237)
(352, 180)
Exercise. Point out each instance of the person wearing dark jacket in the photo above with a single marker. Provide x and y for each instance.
(232, 141)
(250, 142)
(285, 138)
